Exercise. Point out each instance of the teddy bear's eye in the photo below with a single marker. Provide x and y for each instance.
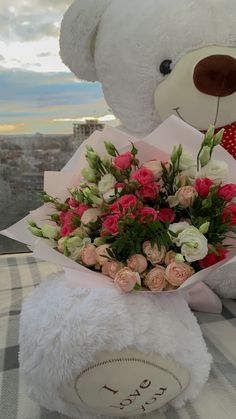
(165, 67)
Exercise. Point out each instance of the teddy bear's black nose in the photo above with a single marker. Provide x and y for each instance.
(216, 75)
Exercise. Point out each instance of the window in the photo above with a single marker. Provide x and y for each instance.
(40, 101)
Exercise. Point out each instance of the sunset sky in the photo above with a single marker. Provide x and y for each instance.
(37, 92)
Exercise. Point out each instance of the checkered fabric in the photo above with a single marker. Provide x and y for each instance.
(19, 274)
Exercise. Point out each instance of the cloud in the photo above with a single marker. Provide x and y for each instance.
(1, 57)
(104, 118)
(45, 54)
(11, 128)
(31, 20)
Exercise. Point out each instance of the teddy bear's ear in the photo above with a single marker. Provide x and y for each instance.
(78, 35)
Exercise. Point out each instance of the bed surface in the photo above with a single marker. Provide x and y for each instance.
(19, 274)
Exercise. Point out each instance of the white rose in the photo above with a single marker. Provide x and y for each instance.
(106, 183)
(108, 196)
(186, 161)
(191, 172)
(50, 232)
(62, 244)
(177, 228)
(215, 170)
(90, 216)
(73, 243)
(76, 253)
(194, 245)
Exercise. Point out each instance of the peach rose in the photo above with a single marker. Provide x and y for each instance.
(137, 263)
(178, 272)
(126, 279)
(88, 255)
(186, 195)
(111, 268)
(155, 280)
(170, 257)
(153, 254)
(102, 255)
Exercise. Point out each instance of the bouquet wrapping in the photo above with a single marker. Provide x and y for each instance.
(152, 215)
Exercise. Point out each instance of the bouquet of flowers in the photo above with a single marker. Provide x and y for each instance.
(145, 220)
(142, 215)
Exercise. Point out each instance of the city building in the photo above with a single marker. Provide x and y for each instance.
(83, 130)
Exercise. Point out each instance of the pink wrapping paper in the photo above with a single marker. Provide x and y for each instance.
(158, 144)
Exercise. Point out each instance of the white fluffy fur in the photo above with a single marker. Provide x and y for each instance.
(133, 38)
(62, 329)
(79, 26)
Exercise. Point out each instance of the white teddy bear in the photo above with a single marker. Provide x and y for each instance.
(99, 354)
(155, 58)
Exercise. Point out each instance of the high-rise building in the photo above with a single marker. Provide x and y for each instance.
(83, 130)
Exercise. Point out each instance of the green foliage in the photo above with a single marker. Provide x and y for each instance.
(132, 234)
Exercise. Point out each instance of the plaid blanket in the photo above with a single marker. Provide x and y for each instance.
(19, 274)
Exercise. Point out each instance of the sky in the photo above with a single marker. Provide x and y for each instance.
(37, 91)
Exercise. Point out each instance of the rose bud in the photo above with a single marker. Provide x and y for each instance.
(169, 257)
(137, 263)
(178, 272)
(153, 254)
(123, 161)
(102, 254)
(88, 255)
(186, 196)
(155, 280)
(126, 279)
(111, 268)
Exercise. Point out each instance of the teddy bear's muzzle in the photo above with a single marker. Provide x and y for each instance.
(216, 75)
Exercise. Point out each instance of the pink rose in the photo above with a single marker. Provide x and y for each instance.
(143, 176)
(127, 201)
(66, 230)
(119, 186)
(212, 258)
(153, 254)
(137, 263)
(148, 214)
(73, 203)
(62, 216)
(88, 255)
(166, 215)
(110, 226)
(170, 257)
(186, 196)
(81, 209)
(227, 192)
(102, 254)
(124, 161)
(155, 280)
(126, 279)
(203, 186)
(178, 272)
(111, 268)
(68, 222)
(114, 208)
(155, 167)
(229, 212)
(149, 191)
